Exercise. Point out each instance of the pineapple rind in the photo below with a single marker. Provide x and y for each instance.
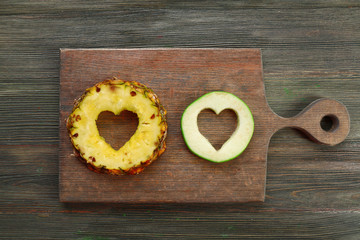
(146, 145)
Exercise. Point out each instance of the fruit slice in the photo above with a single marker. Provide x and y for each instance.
(217, 101)
(147, 143)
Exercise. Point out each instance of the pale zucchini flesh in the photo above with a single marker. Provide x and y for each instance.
(239, 140)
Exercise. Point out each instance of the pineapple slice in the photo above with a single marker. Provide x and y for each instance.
(147, 143)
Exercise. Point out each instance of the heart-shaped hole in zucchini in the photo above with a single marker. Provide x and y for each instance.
(217, 128)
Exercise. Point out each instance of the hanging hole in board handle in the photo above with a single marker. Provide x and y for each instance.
(325, 121)
(329, 123)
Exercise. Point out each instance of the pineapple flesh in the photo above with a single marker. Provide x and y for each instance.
(147, 143)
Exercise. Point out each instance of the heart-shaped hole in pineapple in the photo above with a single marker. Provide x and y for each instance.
(217, 128)
(117, 129)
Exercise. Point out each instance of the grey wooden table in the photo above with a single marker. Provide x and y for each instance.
(310, 50)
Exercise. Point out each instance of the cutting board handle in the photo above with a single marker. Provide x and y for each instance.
(309, 121)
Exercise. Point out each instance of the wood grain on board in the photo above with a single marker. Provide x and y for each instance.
(180, 76)
(310, 50)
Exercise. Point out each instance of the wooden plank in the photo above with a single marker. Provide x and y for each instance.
(180, 76)
(190, 225)
(310, 50)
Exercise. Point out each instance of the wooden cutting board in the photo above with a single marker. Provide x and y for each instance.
(178, 77)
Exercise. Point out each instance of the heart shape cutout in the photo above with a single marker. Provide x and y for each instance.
(217, 101)
(117, 129)
(217, 128)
